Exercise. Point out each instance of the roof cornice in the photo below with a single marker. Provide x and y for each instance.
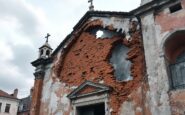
(151, 6)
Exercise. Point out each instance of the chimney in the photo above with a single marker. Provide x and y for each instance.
(15, 93)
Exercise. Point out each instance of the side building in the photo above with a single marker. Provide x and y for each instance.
(8, 103)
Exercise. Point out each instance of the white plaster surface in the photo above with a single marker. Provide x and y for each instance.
(156, 70)
(56, 104)
(13, 106)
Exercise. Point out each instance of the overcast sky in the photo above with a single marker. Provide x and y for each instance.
(23, 26)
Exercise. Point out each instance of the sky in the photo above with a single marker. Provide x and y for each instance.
(25, 23)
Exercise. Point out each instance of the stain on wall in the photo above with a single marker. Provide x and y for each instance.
(168, 23)
(87, 58)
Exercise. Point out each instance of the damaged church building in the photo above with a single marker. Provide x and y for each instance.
(116, 63)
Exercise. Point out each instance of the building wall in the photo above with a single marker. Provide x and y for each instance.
(87, 58)
(84, 57)
(13, 106)
(157, 26)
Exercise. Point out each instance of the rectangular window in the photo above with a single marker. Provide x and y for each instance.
(175, 8)
(7, 108)
(0, 106)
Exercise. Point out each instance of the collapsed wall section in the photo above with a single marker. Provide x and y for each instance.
(86, 57)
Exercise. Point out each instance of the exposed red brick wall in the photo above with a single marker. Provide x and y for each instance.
(87, 58)
(36, 97)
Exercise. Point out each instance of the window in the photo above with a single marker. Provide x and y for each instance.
(120, 63)
(174, 48)
(178, 71)
(175, 8)
(7, 108)
(0, 106)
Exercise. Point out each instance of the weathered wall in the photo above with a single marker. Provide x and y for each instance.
(169, 22)
(87, 58)
(157, 27)
(35, 105)
(84, 57)
(54, 100)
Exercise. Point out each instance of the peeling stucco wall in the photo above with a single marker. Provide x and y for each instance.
(169, 23)
(54, 99)
(156, 28)
(87, 58)
(84, 57)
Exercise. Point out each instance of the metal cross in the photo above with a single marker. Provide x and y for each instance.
(91, 7)
(47, 37)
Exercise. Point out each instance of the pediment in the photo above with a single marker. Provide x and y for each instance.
(88, 88)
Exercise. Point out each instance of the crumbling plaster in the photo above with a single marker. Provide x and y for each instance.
(87, 58)
(152, 84)
(54, 99)
(156, 29)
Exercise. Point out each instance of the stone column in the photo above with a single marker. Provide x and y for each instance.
(37, 93)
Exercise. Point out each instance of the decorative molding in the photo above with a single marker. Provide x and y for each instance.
(99, 88)
(39, 75)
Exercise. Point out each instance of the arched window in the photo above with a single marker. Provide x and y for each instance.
(174, 48)
(47, 53)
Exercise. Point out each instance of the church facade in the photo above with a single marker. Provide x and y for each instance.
(116, 63)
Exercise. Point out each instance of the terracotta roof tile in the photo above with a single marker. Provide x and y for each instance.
(4, 94)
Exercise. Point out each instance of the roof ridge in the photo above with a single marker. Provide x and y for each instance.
(5, 94)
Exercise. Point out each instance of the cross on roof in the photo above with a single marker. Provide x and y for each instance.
(91, 7)
(47, 37)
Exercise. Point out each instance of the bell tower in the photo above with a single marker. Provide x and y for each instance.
(40, 64)
(45, 50)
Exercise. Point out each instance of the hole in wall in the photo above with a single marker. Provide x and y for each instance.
(119, 62)
(102, 33)
(84, 74)
(99, 33)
